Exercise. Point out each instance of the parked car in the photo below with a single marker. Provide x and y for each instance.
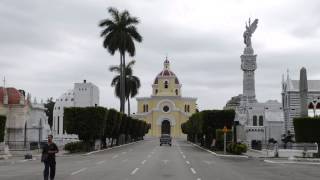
(165, 139)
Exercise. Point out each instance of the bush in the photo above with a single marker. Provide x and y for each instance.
(75, 147)
(236, 148)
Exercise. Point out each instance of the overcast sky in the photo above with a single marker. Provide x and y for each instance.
(47, 45)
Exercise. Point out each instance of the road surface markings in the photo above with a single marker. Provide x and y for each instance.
(198, 179)
(79, 171)
(130, 150)
(115, 156)
(125, 160)
(144, 161)
(149, 156)
(183, 156)
(152, 152)
(124, 152)
(100, 162)
(187, 162)
(134, 171)
(181, 152)
(193, 171)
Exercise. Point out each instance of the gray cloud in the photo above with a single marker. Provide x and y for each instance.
(46, 46)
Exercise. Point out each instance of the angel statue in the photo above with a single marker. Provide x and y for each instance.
(250, 28)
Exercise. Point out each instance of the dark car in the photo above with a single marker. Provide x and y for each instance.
(165, 139)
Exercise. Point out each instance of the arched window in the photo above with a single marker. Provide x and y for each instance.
(147, 108)
(254, 121)
(185, 108)
(188, 108)
(260, 120)
(156, 91)
(177, 92)
(166, 84)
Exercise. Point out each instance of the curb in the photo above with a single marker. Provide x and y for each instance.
(219, 155)
(291, 162)
(102, 150)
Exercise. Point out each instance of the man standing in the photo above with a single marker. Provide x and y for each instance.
(49, 158)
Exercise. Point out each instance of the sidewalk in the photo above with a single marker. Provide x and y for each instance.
(218, 154)
(302, 161)
(256, 153)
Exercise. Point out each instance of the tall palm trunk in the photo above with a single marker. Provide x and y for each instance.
(129, 106)
(123, 92)
(121, 84)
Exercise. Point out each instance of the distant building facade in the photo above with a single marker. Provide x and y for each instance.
(26, 121)
(291, 100)
(84, 94)
(166, 109)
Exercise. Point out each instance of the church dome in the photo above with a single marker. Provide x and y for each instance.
(13, 95)
(166, 72)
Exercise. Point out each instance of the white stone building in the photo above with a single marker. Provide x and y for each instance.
(257, 121)
(291, 100)
(26, 121)
(84, 94)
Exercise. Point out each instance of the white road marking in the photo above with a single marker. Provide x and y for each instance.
(125, 160)
(181, 152)
(144, 161)
(184, 156)
(198, 179)
(187, 162)
(152, 152)
(193, 171)
(100, 162)
(124, 152)
(115, 156)
(149, 156)
(79, 171)
(134, 171)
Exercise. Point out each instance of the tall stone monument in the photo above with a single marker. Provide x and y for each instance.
(248, 64)
(303, 87)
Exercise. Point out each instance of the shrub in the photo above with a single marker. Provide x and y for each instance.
(236, 148)
(74, 147)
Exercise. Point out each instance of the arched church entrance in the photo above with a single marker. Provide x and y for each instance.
(165, 127)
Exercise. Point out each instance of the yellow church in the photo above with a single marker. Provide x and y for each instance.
(165, 109)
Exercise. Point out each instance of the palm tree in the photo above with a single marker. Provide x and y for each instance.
(132, 82)
(119, 34)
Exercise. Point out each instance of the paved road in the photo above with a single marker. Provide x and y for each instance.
(148, 161)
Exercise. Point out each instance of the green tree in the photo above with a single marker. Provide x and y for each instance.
(132, 82)
(49, 105)
(119, 34)
(307, 129)
(86, 122)
(2, 127)
(205, 123)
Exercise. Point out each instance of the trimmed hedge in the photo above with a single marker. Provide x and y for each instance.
(2, 127)
(75, 147)
(236, 148)
(203, 125)
(307, 129)
(92, 123)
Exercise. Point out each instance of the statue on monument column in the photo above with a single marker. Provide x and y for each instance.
(250, 28)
